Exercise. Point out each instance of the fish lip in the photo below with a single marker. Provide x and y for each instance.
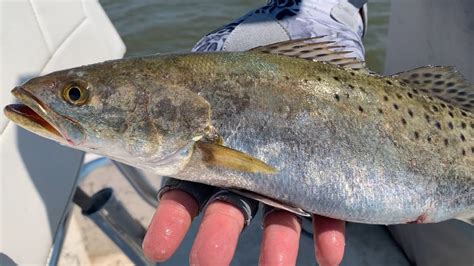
(31, 103)
(20, 112)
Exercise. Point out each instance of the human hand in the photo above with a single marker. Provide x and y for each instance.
(221, 225)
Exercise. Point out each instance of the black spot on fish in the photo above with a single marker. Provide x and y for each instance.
(427, 75)
(427, 81)
(463, 138)
(449, 84)
(414, 75)
(351, 86)
(361, 109)
(463, 152)
(399, 96)
(352, 73)
(416, 82)
(336, 97)
(385, 98)
(450, 114)
(415, 91)
(428, 139)
(416, 134)
(463, 125)
(463, 113)
(427, 117)
(437, 90)
(438, 125)
(336, 78)
(404, 121)
(462, 93)
(446, 142)
(395, 106)
(380, 111)
(434, 108)
(409, 95)
(450, 125)
(410, 113)
(389, 82)
(452, 91)
(438, 76)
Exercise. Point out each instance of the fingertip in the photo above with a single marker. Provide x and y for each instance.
(280, 239)
(169, 225)
(329, 239)
(218, 235)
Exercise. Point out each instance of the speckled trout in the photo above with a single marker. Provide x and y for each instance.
(317, 136)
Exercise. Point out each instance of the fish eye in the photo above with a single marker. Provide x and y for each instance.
(75, 94)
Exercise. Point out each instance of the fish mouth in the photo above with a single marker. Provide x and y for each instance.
(32, 115)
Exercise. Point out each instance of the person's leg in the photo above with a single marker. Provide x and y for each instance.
(341, 21)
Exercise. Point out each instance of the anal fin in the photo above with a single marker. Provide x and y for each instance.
(466, 217)
(271, 202)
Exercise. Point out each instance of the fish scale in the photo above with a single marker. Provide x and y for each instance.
(334, 79)
(300, 134)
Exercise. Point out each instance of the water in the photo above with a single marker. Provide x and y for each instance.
(151, 26)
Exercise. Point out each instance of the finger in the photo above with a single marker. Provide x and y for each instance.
(218, 235)
(329, 240)
(169, 225)
(280, 240)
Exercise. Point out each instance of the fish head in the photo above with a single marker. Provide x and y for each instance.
(113, 112)
(49, 107)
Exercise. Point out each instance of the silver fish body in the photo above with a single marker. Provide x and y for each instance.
(341, 148)
(345, 144)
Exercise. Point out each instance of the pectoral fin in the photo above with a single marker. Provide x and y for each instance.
(222, 156)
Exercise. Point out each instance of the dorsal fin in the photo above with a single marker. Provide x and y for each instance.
(315, 50)
(442, 82)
